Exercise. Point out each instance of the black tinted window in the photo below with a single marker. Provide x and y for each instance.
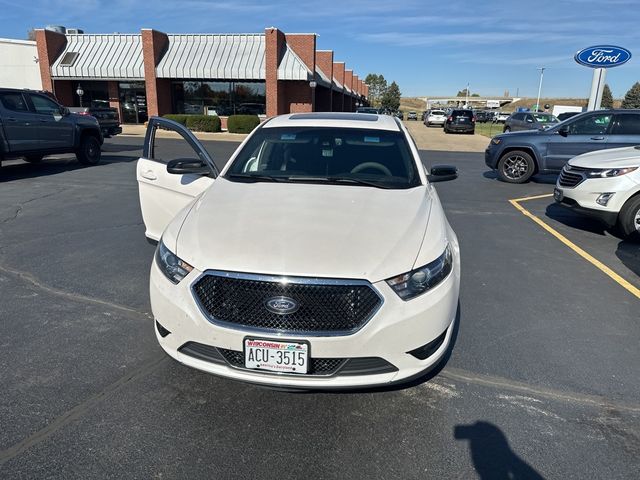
(628, 124)
(326, 154)
(590, 125)
(44, 105)
(13, 101)
(463, 113)
(517, 116)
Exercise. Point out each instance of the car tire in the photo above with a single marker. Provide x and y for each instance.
(516, 167)
(33, 158)
(506, 129)
(629, 218)
(88, 152)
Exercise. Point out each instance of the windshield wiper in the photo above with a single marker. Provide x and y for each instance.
(255, 178)
(337, 180)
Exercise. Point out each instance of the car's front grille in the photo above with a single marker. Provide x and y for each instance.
(314, 306)
(572, 176)
(317, 366)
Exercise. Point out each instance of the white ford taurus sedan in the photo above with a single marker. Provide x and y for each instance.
(319, 257)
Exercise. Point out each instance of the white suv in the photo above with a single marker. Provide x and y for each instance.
(435, 117)
(319, 257)
(604, 184)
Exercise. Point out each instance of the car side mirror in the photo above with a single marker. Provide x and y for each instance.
(182, 166)
(64, 111)
(564, 131)
(442, 173)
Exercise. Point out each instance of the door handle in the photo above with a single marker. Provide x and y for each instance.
(11, 119)
(597, 138)
(149, 175)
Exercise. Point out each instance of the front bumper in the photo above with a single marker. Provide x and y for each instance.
(582, 198)
(398, 327)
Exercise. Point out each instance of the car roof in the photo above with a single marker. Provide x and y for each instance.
(369, 121)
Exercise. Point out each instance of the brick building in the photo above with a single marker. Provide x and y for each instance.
(154, 73)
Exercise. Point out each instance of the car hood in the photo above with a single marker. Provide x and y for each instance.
(521, 133)
(610, 158)
(305, 230)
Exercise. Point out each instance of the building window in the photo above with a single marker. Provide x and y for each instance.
(96, 94)
(219, 97)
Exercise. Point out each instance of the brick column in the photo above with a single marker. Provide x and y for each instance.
(348, 98)
(154, 45)
(274, 48)
(50, 45)
(324, 59)
(338, 72)
(299, 96)
(114, 97)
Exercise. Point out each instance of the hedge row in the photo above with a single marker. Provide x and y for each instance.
(197, 123)
(242, 123)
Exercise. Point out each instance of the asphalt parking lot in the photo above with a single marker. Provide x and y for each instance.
(542, 381)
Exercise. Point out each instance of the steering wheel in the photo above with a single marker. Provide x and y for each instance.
(373, 165)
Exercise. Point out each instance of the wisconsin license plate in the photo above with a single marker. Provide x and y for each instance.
(276, 356)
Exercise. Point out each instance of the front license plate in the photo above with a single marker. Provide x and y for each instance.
(557, 195)
(276, 356)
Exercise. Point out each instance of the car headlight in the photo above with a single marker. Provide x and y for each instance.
(418, 281)
(174, 268)
(610, 172)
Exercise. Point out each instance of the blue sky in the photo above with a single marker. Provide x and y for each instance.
(428, 47)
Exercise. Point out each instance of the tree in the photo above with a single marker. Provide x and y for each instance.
(464, 93)
(391, 97)
(31, 34)
(632, 97)
(607, 97)
(377, 87)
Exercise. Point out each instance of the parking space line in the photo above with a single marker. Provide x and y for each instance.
(594, 261)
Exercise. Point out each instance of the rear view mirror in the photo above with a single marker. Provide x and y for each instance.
(564, 131)
(182, 166)
(442, 173)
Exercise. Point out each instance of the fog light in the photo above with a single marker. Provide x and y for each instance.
(604, 198)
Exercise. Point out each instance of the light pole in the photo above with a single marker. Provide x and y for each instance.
(542, 69)
(466, 97)
(313, 84)
(80, 93)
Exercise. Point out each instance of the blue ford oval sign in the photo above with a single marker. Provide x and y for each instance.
(281, 305)
(603, 56)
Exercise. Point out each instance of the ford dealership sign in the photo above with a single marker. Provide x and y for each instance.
(603, 56)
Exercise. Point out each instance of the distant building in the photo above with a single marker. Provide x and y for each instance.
(153, 73)
(19, 64)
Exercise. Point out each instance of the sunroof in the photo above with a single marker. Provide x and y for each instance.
(68, 59)
(359, 117)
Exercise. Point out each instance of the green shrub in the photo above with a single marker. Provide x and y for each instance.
(242, 123)
(203, 123)
(182, 119)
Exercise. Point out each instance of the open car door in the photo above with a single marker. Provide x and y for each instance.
(167, 185)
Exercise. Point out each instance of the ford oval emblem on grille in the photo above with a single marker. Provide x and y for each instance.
(281, 305)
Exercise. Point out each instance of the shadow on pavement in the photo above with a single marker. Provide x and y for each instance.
(546, 179)
(53, 166)
(491, 454)
(116, 148)
(574, 220)
(628, 252)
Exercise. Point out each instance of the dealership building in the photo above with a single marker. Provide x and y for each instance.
(154, 73)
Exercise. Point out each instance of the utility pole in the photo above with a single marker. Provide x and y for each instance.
(466, 97)
(542, 69)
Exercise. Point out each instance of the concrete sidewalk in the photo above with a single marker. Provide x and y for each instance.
(140, 130)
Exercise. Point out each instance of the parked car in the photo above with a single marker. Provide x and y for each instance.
(33, 125)
(460, 120)
(367, 110)
(435, 117)
(516, 156)
(604, 184)
(289, 271)
(529, 121)
(107, 118)
(563, 116)
(483, 117)
(412, 116)
(500, 117)
(399, 115)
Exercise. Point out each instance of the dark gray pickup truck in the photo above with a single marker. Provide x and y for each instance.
(33, 125)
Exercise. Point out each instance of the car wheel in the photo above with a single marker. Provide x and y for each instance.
(89, 151)
(34, 158)
(507, 129)
(516, 167)
(629, 218)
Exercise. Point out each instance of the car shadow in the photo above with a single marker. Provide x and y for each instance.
(18, 170)
(628, 252)
(492, 455)
(545, 179)
(574, 220)
(117, 148)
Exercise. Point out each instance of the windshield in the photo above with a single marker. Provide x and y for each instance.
(542, 118)
(341, 156)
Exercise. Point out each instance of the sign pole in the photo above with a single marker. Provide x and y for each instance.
(597, 87)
